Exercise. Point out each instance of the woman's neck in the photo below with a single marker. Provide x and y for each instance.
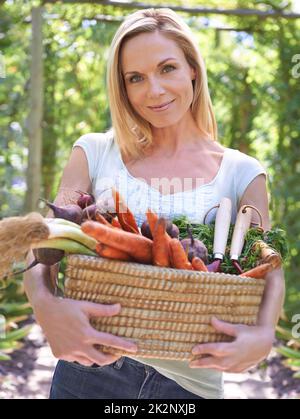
(172, 139)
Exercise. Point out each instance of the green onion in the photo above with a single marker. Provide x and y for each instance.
(69, 246)
(69, 232)
(62, 221)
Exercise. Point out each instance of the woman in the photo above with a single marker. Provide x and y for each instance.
(164, 134)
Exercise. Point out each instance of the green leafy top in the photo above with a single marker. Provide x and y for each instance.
(275, 238)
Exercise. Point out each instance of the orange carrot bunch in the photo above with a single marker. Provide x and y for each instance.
(121, 239)
(110, 252)
(137, 246)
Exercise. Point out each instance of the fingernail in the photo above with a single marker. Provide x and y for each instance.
(195, 351)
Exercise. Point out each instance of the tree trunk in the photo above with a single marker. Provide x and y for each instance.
(36, 113)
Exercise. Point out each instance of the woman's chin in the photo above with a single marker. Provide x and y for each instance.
(164, 123)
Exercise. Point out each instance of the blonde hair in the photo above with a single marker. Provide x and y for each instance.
(132, 132)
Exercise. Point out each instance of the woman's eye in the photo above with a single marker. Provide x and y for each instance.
(134, 79)
(169, 67)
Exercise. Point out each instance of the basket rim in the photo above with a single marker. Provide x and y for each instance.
(143, 267)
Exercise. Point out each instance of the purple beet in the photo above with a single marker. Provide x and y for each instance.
(171, 229)
(89, 213)
(85, 199)
(194, 247)
(145, 230)
(45, 256)
(70, 212)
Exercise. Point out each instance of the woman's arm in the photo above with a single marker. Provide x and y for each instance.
(37, 281)
(273, 298)
(66, 322)
(252, 343)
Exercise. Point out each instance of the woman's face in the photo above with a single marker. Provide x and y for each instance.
(156, 73)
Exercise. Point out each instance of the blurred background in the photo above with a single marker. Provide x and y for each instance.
(52, 90)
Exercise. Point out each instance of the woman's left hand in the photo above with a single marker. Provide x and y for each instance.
(251, 345)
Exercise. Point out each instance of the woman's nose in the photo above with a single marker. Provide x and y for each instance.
(155, 88)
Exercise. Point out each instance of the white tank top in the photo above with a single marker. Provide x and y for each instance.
(106, 169)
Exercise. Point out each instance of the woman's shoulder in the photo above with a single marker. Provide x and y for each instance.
(96, 137)
(240, 157)
(243, 164)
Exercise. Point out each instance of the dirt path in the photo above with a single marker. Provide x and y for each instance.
(28, 376)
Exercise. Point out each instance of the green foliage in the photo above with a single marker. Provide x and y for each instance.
(205, 232)
(14, 310)
(288, 332)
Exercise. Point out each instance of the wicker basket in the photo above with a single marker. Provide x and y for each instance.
(165, 311)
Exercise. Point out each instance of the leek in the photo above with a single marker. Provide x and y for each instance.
(69, 232)
(69, 246)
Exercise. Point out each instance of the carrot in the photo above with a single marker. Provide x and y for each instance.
(115, 223)
(259, 271)
(99, 217)
(125, 216)
(179, 258)
(137, 246)
(152, 219)
(198, 264)
(111, 252)
(161, 251)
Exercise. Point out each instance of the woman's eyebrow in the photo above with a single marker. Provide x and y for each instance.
(158, 65)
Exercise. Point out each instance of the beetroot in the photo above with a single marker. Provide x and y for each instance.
(145, 230)
(70, 212)
(171, 229)
(89, 213)
(45, 256)
(194, 247)
(85, 199)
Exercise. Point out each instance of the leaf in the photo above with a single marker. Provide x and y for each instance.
(16, 334)
(4, 357)
(10, 344)
(284, 333)
(292, 362)
(288, 352)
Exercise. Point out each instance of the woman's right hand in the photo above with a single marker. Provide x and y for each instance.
(66, 325)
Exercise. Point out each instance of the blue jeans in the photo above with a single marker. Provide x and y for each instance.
(124, 379)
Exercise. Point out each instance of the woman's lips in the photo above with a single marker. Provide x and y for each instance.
(162, 107)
